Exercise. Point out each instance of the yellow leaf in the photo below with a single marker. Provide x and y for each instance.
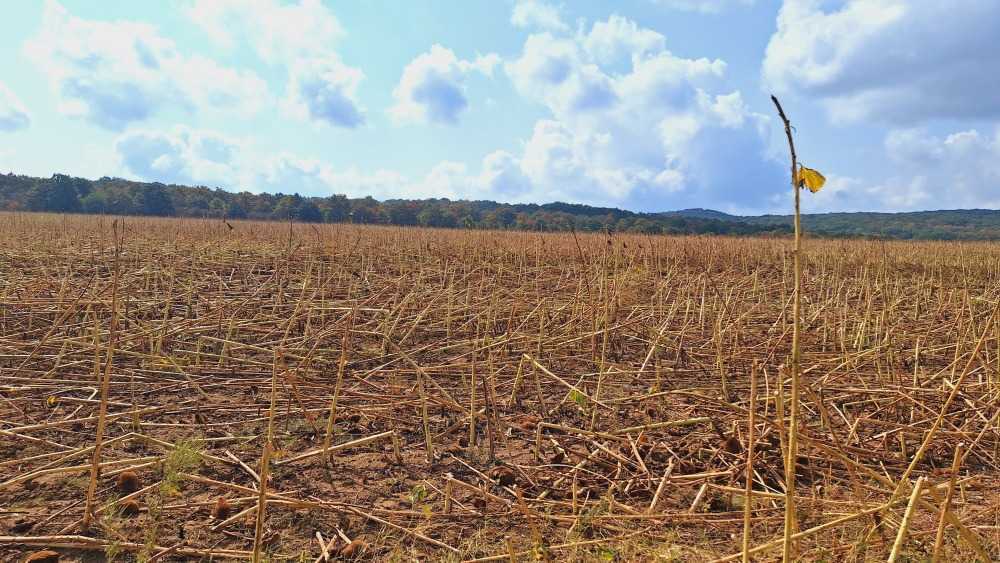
(811, 179)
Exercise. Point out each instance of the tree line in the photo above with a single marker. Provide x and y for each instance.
(116, 196)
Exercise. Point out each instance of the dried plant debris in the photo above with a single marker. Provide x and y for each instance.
(459, 395)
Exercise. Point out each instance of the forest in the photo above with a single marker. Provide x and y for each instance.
(116, 196)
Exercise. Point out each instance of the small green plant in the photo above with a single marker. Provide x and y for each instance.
(184, 458)
(606, 554)
(113, 550)
(417, 495)
(110, 524)
(152, 533)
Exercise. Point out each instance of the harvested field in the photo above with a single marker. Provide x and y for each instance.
(486, 395)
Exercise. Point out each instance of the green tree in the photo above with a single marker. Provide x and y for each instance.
(430, 216)
(95, 202)
(308, 212)
(153, 199)
(217, 206)
(286, 207)
(235, 211)
(336, 208)
(58, 195)
(365, 210)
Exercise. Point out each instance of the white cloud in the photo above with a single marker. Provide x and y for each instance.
(960, 169)
(635, 125)
(13, 115)
(619, 39)
(324, 90)
(182, 156)
(892, 60)
(188, 156)
(557, 72)
(288, 173)
(432, 87)
(116, 73)
(704, 6)
(299, 35)
(198, 157)
(537, 14)
(278, 31)
(922, 171)
(503, 176)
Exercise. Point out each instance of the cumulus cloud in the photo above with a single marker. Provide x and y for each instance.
(279, 31)
(290, 173)
(701, 156)
(961, 169)
(922, 170)
(557, 72)
(116, 73)
(432, 87)
(500, 177)
(704, 6)
(300, 36)
(201, 157)
(618, 39)
(633, 124)
(324, 90)
(182, 156)
(538, 15)
(13, 115)
(891, 60)
(189, 156)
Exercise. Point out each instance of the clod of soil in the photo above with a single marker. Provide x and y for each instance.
(127, 483)
(732, 445)
(130, 508)
(527, 423)
(354, 549)
(222, 509)
(727, 442)
(44, 556)
(504, 476)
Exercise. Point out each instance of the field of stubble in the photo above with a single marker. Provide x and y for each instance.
(394, 394)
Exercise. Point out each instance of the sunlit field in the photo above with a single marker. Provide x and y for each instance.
(327, 392)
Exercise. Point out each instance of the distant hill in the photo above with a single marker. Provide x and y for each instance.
(67, 194)
(700, 213)
(957, 224)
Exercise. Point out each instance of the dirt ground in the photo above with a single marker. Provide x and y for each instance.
(453, 395)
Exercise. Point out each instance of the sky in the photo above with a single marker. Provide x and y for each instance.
(647, 105)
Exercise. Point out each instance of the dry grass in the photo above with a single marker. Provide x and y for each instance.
(586, 397)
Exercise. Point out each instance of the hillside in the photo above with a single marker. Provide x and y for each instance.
(67, 194)
(957, 224)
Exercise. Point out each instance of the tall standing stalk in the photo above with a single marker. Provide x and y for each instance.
(793, 422)
(95, 463)
(946, 505)
(345, 345)
(748, 492)
(265, 463)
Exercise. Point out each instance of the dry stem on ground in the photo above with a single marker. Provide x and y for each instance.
(584, 396)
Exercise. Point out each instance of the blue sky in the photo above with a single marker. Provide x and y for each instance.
(643, 104)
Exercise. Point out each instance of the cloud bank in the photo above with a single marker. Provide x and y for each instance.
(113, 74)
